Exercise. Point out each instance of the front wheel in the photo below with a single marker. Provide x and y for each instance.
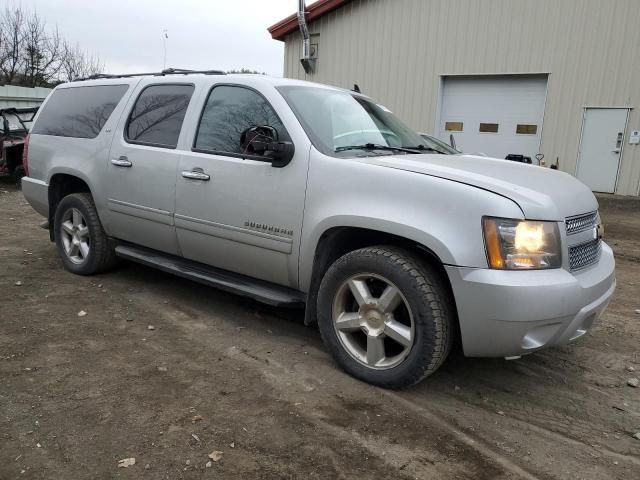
(385, 316)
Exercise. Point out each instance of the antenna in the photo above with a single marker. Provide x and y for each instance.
(165, 36)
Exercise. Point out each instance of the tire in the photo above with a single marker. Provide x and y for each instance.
(414, 337)
(18, 173)
(97, 255)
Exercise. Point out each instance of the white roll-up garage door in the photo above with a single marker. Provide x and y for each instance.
(494, 114)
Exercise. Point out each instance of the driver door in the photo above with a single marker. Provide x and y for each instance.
(234, 210)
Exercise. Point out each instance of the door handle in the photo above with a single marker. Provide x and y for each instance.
(122, 161)
(619, 141)
(196, 174)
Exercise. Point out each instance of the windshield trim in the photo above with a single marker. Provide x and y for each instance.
(439, 143)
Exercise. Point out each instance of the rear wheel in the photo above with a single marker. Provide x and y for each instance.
(384, 315)
(82, 243)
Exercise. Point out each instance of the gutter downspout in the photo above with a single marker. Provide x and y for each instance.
(307, 62)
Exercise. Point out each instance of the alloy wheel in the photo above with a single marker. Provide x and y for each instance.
(75, 236)
(373, 321)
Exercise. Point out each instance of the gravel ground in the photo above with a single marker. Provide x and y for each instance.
(167, 371)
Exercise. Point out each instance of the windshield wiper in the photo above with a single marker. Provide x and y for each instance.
(373, 146)
(422, 148)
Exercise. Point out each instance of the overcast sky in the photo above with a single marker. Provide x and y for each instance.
(127, 34)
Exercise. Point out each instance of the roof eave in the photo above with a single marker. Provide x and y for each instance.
(288, 25)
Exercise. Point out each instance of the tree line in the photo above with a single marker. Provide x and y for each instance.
(34, 55)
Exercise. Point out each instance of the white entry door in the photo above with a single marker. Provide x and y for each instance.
(603, 133)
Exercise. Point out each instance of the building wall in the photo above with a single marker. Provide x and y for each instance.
(21, 97)
(397, 51)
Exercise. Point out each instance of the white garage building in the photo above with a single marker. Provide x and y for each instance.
(559, 78)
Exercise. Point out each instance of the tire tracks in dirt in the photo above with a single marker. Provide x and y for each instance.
(323, 403)
(283, 378)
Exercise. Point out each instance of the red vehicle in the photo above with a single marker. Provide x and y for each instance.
(13, 133)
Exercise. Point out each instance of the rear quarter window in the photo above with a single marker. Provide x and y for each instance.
(79, 112)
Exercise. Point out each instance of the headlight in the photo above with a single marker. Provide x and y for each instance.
(521, 244)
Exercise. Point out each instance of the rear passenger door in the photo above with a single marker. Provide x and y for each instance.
(142, 165)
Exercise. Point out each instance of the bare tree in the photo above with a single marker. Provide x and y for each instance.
(12, 34)
(42, 53)
(246, 70)
(33, 55)
(77, 63)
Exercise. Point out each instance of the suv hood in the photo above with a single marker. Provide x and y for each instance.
(541, 193)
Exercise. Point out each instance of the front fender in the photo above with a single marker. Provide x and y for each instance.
(442, 215)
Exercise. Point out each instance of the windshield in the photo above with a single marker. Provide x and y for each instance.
(343, 124)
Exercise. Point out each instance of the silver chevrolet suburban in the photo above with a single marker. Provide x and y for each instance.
(295, 193)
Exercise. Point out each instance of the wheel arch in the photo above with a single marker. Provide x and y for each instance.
(62, 184)
(338, 240)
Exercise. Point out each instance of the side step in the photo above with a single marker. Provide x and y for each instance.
(259, 290)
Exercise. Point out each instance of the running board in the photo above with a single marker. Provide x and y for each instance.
(259, 290)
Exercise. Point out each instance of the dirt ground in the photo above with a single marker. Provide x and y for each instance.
(220, 373)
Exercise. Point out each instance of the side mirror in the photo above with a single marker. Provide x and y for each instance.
(280, 153)
(263, 140)
(254, 140)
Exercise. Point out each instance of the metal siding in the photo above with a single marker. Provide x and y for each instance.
(397, 51)
(13, 96)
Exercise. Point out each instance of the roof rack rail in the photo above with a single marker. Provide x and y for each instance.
(166, 71)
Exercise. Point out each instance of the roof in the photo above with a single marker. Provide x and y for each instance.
(253, 80)
(314, 11)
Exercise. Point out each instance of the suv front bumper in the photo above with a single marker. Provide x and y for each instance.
(511, 313)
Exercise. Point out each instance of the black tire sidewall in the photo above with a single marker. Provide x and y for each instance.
(423, 358)
(89, 266)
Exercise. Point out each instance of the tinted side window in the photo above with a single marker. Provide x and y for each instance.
(156, 118)
(78, 111)
(228, 114)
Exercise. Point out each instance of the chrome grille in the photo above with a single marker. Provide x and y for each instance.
(584, 254)
(580, 223)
